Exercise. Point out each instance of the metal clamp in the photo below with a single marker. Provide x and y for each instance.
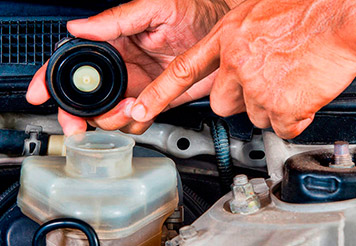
(177, 216)
(32, 145)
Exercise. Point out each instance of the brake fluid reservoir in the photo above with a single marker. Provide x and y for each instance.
(125, 199)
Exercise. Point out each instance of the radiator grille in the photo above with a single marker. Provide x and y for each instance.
(29, 42)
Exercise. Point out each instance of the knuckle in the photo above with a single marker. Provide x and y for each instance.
(224, 111)
(221, 113)
(286, 133)
(138, 130)
(226, 103)
(279, 107)
(134, 128)
(115, 15)
(125, 130)
(112, 13)
(293, 134)
(258, 119)
(106, 124)
(219, 109)
(156, 93)
(286, 130)
(115, 11)
(276, 111)
(182, 71)
(255, 93)
(259, 123)
(302, 113)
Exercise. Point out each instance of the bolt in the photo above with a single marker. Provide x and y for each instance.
(173, 242)
(187, 232)
(342, 157)
(244, 199)
(259, 186)
(240, 179)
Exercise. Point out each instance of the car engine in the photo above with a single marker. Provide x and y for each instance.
(193, 178)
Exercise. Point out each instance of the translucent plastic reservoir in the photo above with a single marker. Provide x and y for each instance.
(125, 199)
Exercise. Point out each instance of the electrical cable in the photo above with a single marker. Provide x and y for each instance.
(222, 153)
(39, 238)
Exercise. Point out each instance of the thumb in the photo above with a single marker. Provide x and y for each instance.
(126, 19)
(187, 69)
(37, 91)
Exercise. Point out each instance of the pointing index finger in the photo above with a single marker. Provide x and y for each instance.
(187, 69)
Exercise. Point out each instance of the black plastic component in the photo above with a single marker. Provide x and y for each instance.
(16, 229)
(39, 238)
(334, 122)
(192, 115)
(9, 174)
(329, 127)
(308, 179)
(100, 55)
(29, 42)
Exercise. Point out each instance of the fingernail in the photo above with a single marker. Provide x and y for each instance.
(79, 21)
(138, 112)
(128, 109)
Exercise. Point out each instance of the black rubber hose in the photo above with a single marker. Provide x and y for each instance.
(222, 153)
(194, 201)
(194, 205)
(39, 238)
(12, 142)
(8, 197)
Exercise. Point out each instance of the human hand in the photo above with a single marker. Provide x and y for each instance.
(280, 61)
(149, 35)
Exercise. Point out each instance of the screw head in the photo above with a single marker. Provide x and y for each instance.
(187, 232)
(240, 179)
(259, 185)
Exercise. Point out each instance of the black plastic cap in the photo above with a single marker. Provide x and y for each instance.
(100, 55)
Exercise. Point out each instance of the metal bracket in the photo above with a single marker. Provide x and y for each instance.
(177, 216)
(167, 138)
(32, 145)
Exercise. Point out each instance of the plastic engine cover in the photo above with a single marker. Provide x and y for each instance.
(309, 179)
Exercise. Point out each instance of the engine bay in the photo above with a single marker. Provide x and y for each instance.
(193, 178)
